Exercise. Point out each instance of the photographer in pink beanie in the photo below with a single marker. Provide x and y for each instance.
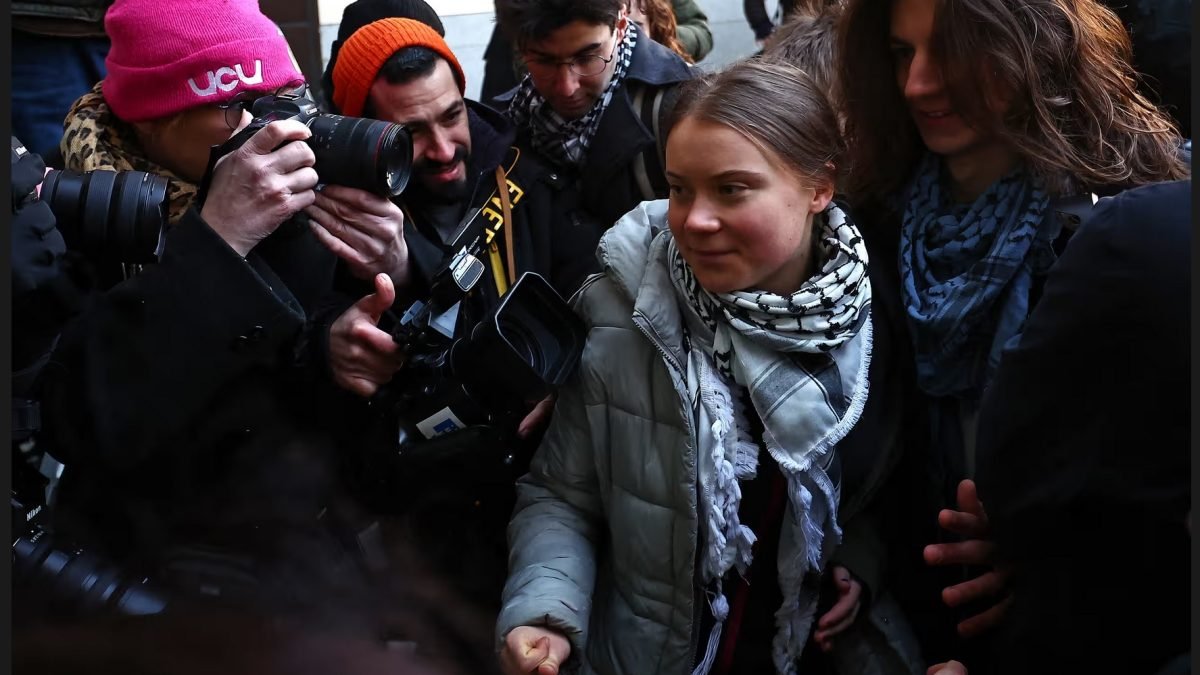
(180, 78)
(185, 400)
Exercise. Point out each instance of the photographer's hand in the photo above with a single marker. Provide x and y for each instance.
(364, 229)
(362, 357)
(256, 187)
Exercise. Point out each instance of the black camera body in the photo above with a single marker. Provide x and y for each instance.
(513, 358)
(494, 374)
(57, 578)
(453, 409)
(362, 153)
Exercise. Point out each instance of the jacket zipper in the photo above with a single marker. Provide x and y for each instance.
(644, 326)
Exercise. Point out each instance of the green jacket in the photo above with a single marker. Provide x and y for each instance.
(691, 27)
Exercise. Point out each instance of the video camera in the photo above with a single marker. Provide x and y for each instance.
(456, 396)
(368, 154)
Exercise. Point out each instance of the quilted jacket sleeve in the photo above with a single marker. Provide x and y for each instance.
(556, 525)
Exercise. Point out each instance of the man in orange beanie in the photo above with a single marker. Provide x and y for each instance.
(401, 70)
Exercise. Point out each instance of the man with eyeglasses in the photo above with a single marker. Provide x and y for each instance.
(597, 94)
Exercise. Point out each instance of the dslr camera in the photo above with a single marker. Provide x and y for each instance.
(455, 405)
(59, 578)
(367, 154)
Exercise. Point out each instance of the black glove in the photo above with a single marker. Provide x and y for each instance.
(37, 246)
(47, 287)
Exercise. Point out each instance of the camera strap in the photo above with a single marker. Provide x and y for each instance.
(503, 275)
(506, 206)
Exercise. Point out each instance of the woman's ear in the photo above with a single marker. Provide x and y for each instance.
(822, 195)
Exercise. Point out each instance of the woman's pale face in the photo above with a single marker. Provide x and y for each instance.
(182, 143)
(740, 218)
(974, 158)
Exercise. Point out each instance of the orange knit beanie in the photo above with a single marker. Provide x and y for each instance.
(365, 52)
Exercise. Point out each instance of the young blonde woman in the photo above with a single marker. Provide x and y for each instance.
(697, 448)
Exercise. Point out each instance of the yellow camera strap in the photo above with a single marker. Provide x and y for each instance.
(503, 281)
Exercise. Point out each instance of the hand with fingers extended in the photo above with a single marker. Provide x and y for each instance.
(260, 185)
(947, 668)
(362, 357)
(970, 521)
(534, 649)
(844, 611)
(364, 229)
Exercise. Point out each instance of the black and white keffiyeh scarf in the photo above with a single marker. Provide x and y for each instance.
(804, 359)
(819, 317)
(566, 142)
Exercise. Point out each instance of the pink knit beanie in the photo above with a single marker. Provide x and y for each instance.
(171, 55)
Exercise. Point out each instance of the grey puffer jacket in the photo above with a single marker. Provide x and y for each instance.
(603, 541)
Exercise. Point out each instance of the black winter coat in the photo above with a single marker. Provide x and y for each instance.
(1084, 449)
(181, 404)
(553, 237)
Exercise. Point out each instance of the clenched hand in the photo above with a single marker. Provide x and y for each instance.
(534, 649)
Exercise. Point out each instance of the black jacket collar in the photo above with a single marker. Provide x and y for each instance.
(491, 137)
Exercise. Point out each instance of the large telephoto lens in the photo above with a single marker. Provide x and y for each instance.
(114, 216)
(367, 154)
(74, 583)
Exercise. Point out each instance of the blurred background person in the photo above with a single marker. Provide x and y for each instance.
(58, 51)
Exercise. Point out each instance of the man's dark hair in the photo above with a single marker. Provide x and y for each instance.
(525, 21)
(404, 66)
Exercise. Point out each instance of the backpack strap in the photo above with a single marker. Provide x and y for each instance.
(649, 167)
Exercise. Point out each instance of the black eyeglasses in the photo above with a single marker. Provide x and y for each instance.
(583, 66)
(234, 107)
